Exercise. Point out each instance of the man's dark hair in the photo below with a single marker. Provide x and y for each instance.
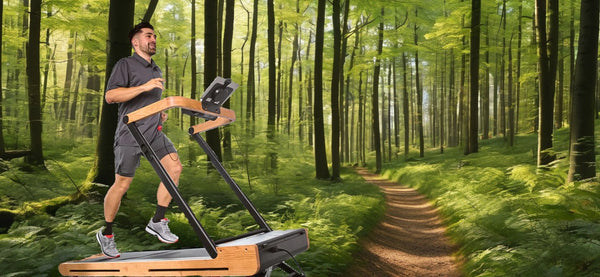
(138, 28)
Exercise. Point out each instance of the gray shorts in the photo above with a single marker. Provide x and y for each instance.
(127, 157)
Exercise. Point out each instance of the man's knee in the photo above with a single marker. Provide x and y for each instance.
(173, 166)
(177, 168)
(121, 183)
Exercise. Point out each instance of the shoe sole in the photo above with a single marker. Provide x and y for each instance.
(102, 248)
(154, 233)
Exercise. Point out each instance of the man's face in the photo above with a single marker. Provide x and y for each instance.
(145, 41)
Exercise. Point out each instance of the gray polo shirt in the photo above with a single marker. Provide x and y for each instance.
(131, 72)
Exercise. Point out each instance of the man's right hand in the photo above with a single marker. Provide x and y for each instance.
(155, 83)
(123, 94)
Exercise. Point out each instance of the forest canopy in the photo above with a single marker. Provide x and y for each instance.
(404, 76)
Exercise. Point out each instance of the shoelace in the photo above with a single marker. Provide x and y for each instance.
(111, 242)
(165, 223)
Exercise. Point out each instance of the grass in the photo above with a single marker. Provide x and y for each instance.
(509, 217)
(335, 214)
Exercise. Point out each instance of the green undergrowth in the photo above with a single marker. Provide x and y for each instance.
(509, 217)
(335, 214)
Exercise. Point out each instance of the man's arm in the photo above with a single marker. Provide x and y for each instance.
(123, 94)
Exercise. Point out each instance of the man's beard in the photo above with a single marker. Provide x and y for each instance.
(150, 49)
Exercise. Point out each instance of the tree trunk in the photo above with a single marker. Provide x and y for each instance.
(419, 93)
(150, 10)
(443, 105)
(49, 59)
(310, 96)
(120, 17)
(571, 61)
(295, 45)
(558, 102)
(335, 86)
(2, 147)
(290, 88)
(582, 156)
(547, 52)
(375, 99)
(36, 156)
(485, 87)
(219, 31)
(251, 99)
(227, 46)
(90, 108)
(406, 112)
(389, 111)
(322, 170)
(344, 95)
(502, 84)
(396, 108)
(361, 126)
(75, 99)
(518, 77)
(474, 72)
(301, 112)
(511, 104)
(279, 106)
(241, 111)
(211, 38)
(272, 105)
(63, 112)
(194, 82)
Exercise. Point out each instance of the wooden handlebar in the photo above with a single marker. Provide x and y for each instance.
(226, 116)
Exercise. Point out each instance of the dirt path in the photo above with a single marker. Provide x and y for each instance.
(410, 241)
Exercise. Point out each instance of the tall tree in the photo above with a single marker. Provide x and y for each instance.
(345, 96)
(335, 91)
(272, 105)
(548, 60)
(582, 156)
(485, 86)
(419, 87)
(375, 98)
(211, 38)
(405, 111)
(150, 10)
(2, 147)
(193, 64)
(227, 46)
(251, 90)
(33, 75)
(295, 45)
(120, 15)
(322, 170)
(511, 104)
(474, 72)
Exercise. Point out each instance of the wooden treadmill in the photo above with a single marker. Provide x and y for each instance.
(255, 253)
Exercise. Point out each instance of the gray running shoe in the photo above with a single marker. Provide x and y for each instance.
(161, 231)
(107, 244)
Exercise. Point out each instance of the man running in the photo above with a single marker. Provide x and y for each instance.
(136, 82)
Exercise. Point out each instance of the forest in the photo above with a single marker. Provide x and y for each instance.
(486, 107)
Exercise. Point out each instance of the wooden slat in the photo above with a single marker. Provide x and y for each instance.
(226, 116)
(240, 260)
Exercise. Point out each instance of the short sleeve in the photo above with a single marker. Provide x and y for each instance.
(119, 77)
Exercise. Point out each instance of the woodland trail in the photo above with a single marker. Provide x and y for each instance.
(410, 240)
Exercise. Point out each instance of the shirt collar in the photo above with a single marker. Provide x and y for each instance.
(144, 61)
